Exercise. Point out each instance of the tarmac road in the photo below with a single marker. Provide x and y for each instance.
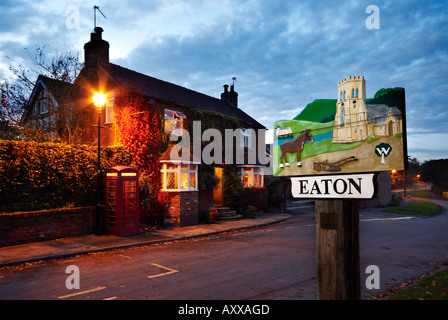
(273, 262)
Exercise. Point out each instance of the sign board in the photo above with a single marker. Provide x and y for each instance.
(347, 135)
(352, 186)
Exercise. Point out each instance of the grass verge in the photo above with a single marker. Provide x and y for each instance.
(417, 208)
(420, 193)
(434, 287)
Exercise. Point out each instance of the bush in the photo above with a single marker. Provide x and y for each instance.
(35, 176)
(238, 197)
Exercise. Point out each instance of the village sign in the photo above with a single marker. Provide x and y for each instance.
(334, 148)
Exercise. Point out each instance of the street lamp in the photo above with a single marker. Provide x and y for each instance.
(99, 99)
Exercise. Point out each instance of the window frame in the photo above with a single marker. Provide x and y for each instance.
(177, 119)
(109, 111)
(165, 170)
(253, 171)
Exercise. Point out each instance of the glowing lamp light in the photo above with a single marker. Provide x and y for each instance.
(99, 100)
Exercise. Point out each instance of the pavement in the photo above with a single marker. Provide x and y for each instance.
(72, 246)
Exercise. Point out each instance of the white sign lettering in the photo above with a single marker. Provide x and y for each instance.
(283, 131)
(354, 186)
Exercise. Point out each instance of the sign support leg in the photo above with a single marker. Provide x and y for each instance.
(337, 235)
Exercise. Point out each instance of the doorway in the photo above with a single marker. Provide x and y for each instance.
(217, 192)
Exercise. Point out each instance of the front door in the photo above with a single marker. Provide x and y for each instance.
(217, 192)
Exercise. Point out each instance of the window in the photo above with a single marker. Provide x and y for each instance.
(356, 92)
(173, 120)
(179, 176)
(110, 110)
(246, 138)
(342, 116)
(252, 177)
(344, 94)
(353, 93)
(43, 106)
(341, 96)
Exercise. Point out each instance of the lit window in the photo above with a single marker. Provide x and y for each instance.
(252, 177)
(173, 120)
(180, 177)
(110, 110)
(246, 138)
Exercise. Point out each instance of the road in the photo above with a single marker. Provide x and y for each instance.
(273, 262)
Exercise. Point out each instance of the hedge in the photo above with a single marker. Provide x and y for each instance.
(35, 176)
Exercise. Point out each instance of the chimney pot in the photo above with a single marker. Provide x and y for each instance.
(230, 97)
(96, 50)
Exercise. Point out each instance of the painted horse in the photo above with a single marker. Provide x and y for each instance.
(295, 146)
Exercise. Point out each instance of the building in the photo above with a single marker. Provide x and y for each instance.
(356, 120)
(45, 106)
(178, 108)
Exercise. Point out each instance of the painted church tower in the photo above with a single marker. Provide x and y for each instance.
(350, 123)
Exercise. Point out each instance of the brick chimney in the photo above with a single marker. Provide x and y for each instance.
(230, 96)
(97, 49)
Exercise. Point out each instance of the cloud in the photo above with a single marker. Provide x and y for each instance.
(285, 54)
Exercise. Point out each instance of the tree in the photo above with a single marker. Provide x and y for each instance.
(63, 66)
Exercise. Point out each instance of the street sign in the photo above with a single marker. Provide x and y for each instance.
(347, 135)
(351, 186)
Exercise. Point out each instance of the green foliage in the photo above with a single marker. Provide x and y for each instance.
(393, 97)
(320, 110)
(238, 197)
(418, 208)
(207, 178)
(434, 287)
(436, 171)
(36, 176)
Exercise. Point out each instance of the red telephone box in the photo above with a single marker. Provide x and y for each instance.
(122, 201)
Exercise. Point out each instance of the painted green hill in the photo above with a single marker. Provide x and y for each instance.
(393, 97)
(320, 110)
(323, 110)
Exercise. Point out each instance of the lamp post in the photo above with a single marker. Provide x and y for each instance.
(99, 99)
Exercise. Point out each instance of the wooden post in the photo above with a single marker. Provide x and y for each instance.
(338, 272)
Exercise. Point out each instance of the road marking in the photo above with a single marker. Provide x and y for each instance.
(170, 271)
(379, 219)
(127, 257)
(111, 298)
(81, 292)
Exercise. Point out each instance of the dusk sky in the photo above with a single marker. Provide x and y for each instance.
(284, 54)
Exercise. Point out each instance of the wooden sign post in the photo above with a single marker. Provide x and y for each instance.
(332, 151)
(337, 227)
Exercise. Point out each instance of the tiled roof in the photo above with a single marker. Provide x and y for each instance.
(377, 113)
(169, 92)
